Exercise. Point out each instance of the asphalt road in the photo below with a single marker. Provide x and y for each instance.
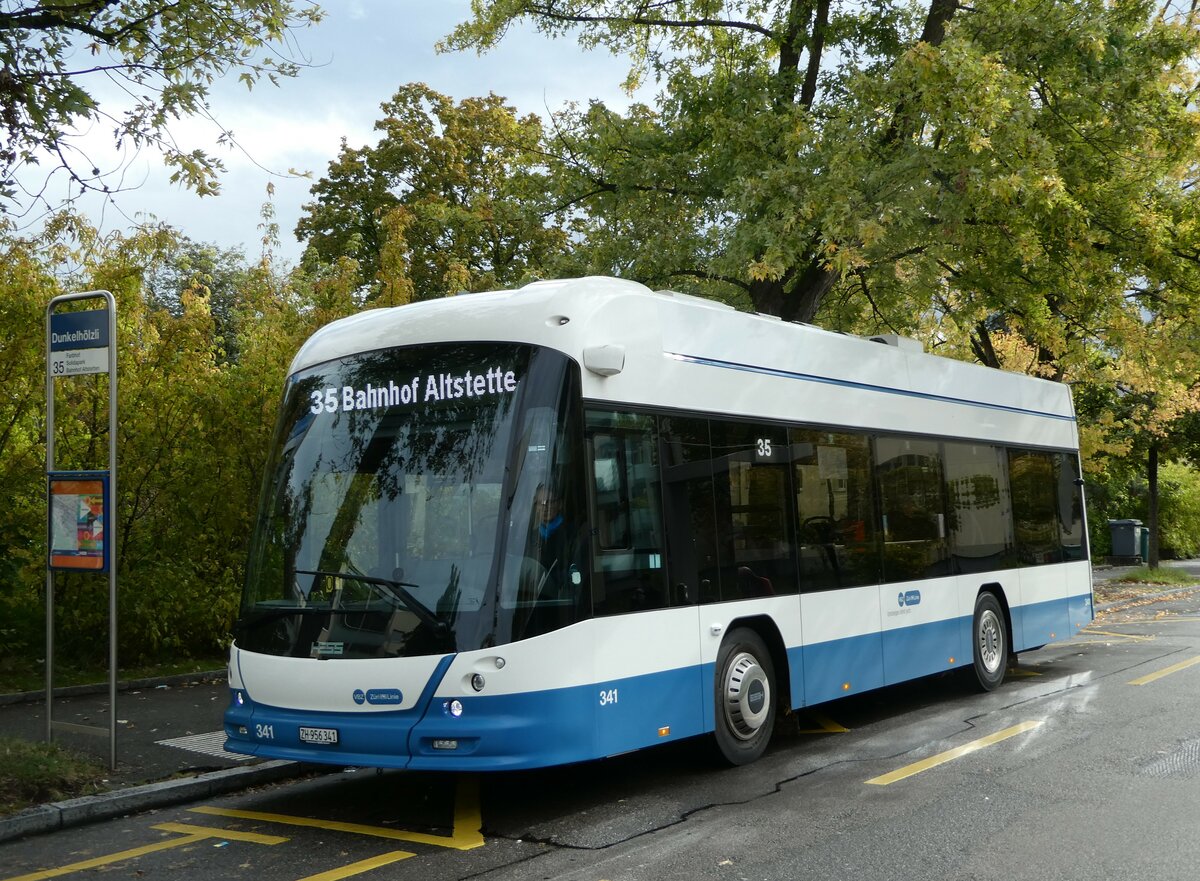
(1084, 764)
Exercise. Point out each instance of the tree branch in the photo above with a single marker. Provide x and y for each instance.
(808, 92)
(548, 12)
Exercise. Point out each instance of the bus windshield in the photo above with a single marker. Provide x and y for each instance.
(407, 503)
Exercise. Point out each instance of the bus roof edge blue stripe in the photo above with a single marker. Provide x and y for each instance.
(846, 383)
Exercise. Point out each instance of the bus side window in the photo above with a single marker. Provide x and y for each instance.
(751, 476)
(980, 508)
(1035, 505)
(1070, 507)
(835, 503)
(611, 491)
(628, 569)
(909, 474)
(689, 512)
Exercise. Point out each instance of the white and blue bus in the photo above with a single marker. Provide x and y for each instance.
(553, 524)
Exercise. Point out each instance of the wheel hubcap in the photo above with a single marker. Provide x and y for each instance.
(991, 649)
(747, 695)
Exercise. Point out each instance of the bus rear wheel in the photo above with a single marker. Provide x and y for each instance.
(989, 636)
(745, 697)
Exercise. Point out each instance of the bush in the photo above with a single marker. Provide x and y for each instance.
(1179, 510)
(1126, 497)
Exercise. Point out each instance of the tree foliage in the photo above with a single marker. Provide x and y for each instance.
(448, 200)
(163, 54)
(194, 428)
(1013, 167)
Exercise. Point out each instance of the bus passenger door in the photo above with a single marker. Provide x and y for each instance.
(647, 672)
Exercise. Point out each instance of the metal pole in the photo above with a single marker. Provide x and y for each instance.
(110, 527)
(49, 572)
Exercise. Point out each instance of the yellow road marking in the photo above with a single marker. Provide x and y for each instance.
(1174, 668)
(208, 832)
(827, 726)
(192, 834)
(950, 755)
(467, 821)
(1022, 672)
(1128, 636)
(361, 866)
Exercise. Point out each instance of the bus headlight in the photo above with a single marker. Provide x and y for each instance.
(454, 708)
(478, 682)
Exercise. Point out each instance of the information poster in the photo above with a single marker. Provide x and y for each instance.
(78, 514)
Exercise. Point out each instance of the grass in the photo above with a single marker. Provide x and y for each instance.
(30, 676)
(1167, 576)
(34, 773)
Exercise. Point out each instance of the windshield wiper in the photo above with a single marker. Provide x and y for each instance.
(396, 590)
(248, 623)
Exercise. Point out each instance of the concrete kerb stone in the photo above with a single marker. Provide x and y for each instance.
(104, 806)
(134, 799)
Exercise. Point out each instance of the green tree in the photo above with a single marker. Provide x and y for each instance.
(205, 270)
(164, 54)
(450, 199)
(194, 429)
(26, 285)
(1012, 166)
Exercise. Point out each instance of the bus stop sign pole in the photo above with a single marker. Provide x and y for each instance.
(82, 505)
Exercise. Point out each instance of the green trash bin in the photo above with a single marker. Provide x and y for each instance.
(1144, 543)
(1126, 537)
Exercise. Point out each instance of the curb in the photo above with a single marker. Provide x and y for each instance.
(64, 814)
(24, 697)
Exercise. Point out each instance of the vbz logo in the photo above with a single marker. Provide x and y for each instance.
(910, 598)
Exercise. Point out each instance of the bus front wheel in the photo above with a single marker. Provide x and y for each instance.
(989, 636)
(745, 697)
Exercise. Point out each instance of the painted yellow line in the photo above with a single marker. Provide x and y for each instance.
(941, 758)
(130, 854)
(209, 832)
(1174, 668)
(467, 821)
(361, 866)
(1128, 636)
(192, 835)
(827, 726)
(1022, 672)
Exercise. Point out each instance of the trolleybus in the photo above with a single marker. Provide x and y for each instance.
(554, 524)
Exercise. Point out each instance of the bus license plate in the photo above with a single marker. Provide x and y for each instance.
(318, 735)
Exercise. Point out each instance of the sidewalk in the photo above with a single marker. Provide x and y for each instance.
(169, 748)
(169, 733)
(1109, 594)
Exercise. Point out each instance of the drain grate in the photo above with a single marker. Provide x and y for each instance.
(1183, 762)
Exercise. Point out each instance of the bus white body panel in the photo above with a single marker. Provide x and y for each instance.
(610, 684)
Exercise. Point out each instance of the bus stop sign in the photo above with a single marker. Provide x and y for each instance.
(79, 342)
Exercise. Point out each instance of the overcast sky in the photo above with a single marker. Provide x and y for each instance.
(361, 52)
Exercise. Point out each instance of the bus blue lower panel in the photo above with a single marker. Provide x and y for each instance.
(564, 725)
(378, 739)
(502, 732)
(509, 732)
(912, 652)
(842, 667)
(1045, 622)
